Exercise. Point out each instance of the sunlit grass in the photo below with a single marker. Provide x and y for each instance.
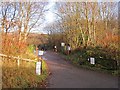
(23, 76)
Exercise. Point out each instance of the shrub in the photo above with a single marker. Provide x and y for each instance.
(105, 58)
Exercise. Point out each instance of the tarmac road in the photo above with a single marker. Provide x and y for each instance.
(65, 75)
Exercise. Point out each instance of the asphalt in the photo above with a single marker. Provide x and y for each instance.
(65, 75)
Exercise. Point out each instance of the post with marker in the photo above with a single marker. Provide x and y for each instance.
(39, 63)
(38, 68)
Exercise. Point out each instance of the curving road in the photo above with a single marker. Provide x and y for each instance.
(65, 75)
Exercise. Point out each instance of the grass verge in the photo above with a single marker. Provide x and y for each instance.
(23, 76)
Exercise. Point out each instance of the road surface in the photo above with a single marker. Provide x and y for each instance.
(65, 75)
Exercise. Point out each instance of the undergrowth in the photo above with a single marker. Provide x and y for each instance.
(105, 59)
(23, 76)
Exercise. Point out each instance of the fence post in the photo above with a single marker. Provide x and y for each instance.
(18, 61)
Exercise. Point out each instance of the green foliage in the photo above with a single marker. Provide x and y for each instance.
(105, 59)
(31, 48)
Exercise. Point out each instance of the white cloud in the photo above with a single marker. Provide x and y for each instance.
(49, 16)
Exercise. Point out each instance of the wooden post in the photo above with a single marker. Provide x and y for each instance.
(36, 51)
(18, 61)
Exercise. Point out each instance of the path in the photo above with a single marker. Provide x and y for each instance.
(65, 75)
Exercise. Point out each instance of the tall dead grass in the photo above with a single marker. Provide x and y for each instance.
(23, 76)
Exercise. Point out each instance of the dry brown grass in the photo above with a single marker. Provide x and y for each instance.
(23, 76)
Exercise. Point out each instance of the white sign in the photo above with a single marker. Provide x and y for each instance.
(68, 48)
(92, 60)
(38, 68)
(62, 44)
(40, 53)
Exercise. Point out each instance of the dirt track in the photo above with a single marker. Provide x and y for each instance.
(65, 75)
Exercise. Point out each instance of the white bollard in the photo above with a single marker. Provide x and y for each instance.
(38, 68)
(92, 60)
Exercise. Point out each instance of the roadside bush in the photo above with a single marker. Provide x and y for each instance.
(31, 48)
(105, 58)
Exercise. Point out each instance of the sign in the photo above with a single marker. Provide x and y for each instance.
(68, 48)
(38, 68)
(92, 60)
(40, 53)
(62, 44)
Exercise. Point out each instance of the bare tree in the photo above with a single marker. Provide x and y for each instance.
(83, 23)
(18, 19)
